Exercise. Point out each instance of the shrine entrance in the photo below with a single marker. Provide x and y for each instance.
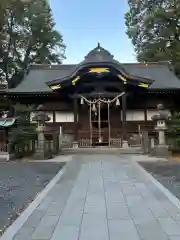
(99, 81)
(100, 129)
(99, 111)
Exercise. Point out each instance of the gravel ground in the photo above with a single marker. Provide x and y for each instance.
(19, 184)
(167, 173)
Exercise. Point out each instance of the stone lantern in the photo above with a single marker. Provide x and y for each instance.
(41, 118)
(160, 118)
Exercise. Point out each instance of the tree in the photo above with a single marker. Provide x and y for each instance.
(23, 132)
(154, 28)
(173, 132)
(27, 36)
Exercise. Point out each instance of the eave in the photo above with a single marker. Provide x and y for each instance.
(110, 67)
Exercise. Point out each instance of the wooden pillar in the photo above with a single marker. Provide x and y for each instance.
(145, 115)
(54, 116)
(75, 101)
(11, 110)
(124, 127)
(145, 111)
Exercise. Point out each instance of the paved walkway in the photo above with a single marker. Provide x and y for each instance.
(103, 197)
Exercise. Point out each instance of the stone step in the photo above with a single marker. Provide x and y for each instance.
(101, 150)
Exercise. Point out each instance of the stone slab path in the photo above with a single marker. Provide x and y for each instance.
(103, 197)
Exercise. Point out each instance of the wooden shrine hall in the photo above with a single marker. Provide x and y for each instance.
(99, 101)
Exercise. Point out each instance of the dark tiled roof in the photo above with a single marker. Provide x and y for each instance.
(161, 73)
(35, 80)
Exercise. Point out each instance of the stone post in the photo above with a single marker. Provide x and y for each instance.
(161, 150)
(41, 118)
(152, 143)
(145, 142)
(161, 136)
(60, 137)
(40, 145)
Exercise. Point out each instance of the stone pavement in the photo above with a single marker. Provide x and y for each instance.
(103, 197)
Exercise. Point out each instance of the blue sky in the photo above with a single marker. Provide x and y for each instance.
(84, 23)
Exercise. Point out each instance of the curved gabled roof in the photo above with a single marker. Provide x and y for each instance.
(99, 57)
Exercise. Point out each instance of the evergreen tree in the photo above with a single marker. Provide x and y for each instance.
(27, 36)
(154, 28)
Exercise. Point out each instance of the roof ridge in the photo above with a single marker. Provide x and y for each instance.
(149, 63)
(33, 66)
(50, 66)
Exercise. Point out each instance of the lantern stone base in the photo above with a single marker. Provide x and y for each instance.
(125, 145)
(75, 145)
(39, 155)
(4, 156)
(160, 151)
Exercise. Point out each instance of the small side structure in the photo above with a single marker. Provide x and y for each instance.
(5, 124)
